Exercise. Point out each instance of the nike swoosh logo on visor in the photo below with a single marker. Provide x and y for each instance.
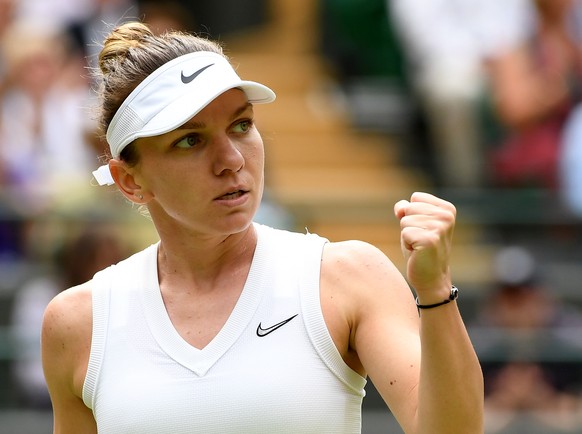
(261, 332)
(188, 78)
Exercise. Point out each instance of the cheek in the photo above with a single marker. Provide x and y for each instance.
(256, 155)
(259, 158)
(168, 179)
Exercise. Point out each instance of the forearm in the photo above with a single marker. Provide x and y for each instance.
(451, 382)
(450, 388)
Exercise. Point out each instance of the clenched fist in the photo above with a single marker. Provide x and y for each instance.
(427, 224)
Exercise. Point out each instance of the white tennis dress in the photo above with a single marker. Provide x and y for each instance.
(273, 368)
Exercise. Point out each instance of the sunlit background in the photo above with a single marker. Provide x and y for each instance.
(472, 100)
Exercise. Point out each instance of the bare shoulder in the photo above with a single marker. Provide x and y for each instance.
(66, 335)
(366, 285)
(66, 346)
(361, 264)
(363, 292)
(68, 312)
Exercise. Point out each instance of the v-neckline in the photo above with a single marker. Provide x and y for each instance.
(201, 360)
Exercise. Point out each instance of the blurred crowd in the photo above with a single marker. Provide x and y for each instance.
(530, 344)
(497, 86)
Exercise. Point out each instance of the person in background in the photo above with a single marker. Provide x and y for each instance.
(46, 127)
(83, 20)
(534, 86)
(446, 44)
(225, 325)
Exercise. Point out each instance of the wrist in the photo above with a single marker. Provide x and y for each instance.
(433, 293)
(452, 295)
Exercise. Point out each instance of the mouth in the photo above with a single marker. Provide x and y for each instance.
(232, 195)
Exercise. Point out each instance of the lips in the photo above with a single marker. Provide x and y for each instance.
(232, 195)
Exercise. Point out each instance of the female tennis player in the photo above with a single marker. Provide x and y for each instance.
(229, 326)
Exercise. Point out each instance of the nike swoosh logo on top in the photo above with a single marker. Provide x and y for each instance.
(261, 332)
(188, 78)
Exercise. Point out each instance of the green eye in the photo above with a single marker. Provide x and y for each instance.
(243, 126)
(188, 141)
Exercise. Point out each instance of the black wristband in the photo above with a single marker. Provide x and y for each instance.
(453, 296)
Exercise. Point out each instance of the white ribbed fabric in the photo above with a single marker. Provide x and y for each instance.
(144, 378)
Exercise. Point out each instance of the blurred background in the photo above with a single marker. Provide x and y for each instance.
(473, 100)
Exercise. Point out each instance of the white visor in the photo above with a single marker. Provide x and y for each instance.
(170, 96)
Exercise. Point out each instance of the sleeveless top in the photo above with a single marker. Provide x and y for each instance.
(273, 367)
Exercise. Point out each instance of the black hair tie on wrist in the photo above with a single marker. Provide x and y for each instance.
(453, 296)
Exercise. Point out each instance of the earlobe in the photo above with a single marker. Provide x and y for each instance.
(125, 179)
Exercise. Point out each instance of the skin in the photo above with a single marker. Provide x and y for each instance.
(526, 90)
(425, 368)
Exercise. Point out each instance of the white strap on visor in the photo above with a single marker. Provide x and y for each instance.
(170, 96)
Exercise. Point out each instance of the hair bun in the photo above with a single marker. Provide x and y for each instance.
(119, 42)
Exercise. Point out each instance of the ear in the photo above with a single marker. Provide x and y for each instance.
(124, 177)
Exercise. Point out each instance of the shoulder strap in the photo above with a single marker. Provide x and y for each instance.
(314, 321)
(101, 288)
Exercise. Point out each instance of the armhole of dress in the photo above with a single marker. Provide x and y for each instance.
(100, 310)
(313, 315)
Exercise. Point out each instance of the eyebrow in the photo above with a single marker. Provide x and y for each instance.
(194, 125)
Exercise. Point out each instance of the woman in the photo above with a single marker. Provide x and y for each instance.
(226, 326)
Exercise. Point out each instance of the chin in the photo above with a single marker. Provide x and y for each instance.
(238, 222)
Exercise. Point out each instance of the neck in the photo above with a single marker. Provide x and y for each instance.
(201, 262)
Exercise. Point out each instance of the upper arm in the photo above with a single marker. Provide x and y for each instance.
(66, 342)
(377, 306)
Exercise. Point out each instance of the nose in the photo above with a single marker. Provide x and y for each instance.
(227, 156)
